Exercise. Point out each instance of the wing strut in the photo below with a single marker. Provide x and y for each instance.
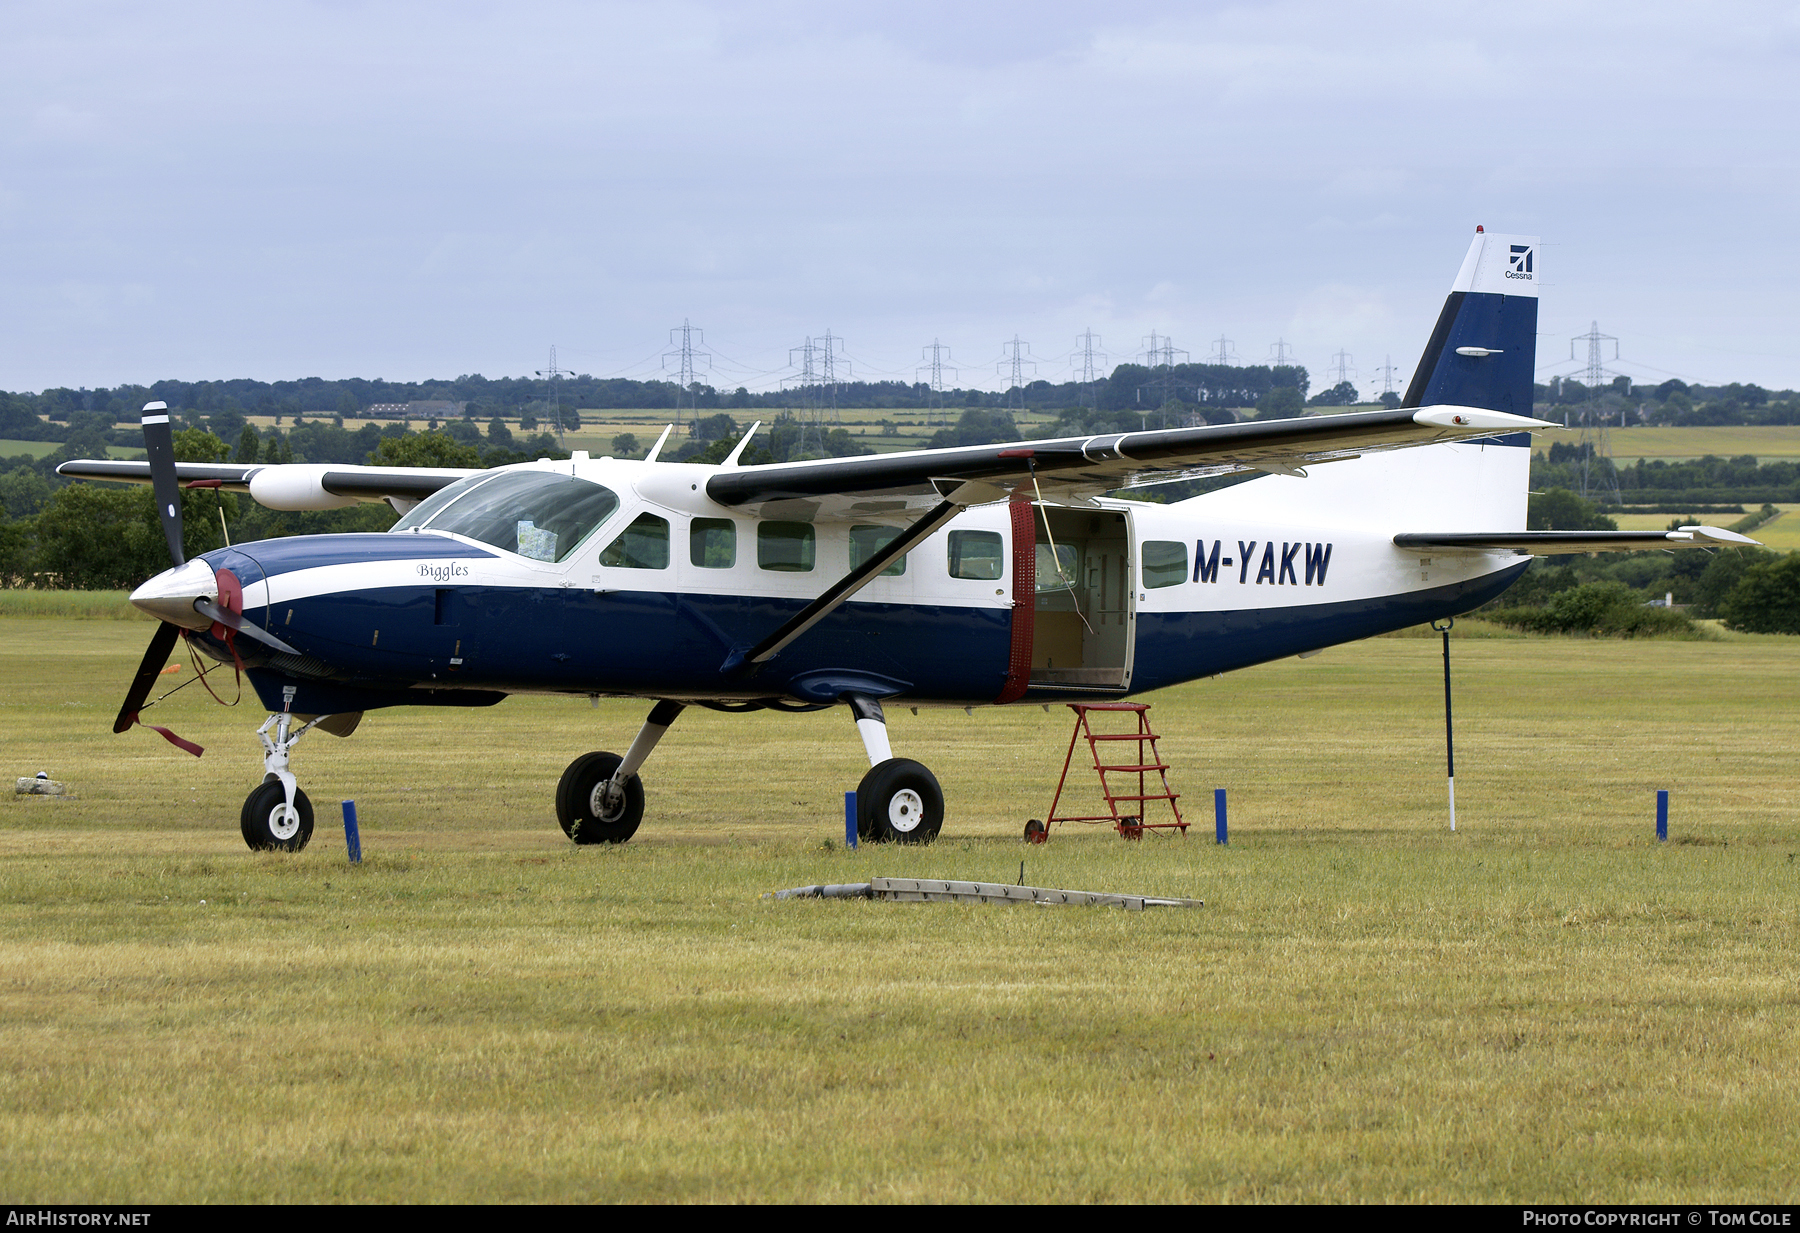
(841, 590)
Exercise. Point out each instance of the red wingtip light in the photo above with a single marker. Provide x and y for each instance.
(1478, 229)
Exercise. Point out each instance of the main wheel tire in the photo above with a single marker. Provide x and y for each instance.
(583, 809)
(899, 801)
(269, 826)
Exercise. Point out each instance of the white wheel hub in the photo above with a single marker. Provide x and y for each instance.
(284, 821)
(905, 810)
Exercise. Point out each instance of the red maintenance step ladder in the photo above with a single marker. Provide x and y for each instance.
(1126, 753)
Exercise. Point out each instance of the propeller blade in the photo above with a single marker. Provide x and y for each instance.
(159, 447)
(161, 643)
(231, 620)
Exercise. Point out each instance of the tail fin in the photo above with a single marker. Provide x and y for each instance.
(1483, 352)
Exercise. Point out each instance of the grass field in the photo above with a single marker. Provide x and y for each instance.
(1782, 534)
(1769, 442)
(10, 448)
(1543, 1006)
(598, 428)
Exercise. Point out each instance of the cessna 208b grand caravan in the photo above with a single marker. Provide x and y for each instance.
(984, 575)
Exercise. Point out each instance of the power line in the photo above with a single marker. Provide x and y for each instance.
(938, 353)
(687, 356)
(1387, 375)
(1087, 344)
(1280, 353)
(1018, 362)
(553, 375)
(1593, 447)
(1595, 373)
(1343, 366)
(1159, 358)
(1224, 352)
(807, 386)
(830, 347)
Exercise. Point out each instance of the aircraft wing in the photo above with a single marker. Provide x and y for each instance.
(1555, 543)
(288, 485)
(1075, 469)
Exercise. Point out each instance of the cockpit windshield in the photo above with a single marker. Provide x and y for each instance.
(538, 514)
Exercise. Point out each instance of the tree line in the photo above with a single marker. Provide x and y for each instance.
(1684, 483)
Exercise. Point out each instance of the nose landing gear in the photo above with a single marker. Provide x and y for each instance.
(277, 816)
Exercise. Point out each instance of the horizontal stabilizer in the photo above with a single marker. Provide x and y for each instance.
(1554, 543)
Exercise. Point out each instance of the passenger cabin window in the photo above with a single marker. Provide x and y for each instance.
(1165, 563)
(1055, 572)
(866, 541)
(541, 515)
(712, 543)
(785, 546)
(642, 545)
(976, 554)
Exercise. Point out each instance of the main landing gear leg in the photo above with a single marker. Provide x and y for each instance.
(600, 798)
(277, 814)
(898, 801)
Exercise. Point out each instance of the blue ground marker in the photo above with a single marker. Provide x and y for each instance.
(352, 840)
(1662, 815)
(849, 819)
(1219, 815)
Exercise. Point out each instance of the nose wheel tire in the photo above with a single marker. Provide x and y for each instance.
(269, 825)
(899, 801)
(588, 812)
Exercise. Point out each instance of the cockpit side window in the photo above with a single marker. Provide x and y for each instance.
(712, 543)
(642, 545)
(540, 515)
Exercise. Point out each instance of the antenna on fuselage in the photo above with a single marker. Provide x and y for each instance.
(657, 448)
(731, 459)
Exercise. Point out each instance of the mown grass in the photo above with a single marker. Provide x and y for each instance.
(1768, 442)
(1544, 1006)
(1780, 534)
(70, 605)
(12, 448)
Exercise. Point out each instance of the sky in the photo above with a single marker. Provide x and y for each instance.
(409, 191)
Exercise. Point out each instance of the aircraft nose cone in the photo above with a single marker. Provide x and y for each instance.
(170, 596)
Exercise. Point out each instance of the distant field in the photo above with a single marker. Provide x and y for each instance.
(38, 449)
(1546, 1006)
(598, 428)
(1769, 443)
(1783, 534)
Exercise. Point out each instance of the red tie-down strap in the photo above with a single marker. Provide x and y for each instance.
(178, 742)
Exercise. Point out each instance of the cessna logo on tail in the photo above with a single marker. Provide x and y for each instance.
(1518, 262)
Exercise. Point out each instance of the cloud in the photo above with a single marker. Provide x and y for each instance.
(418, 188)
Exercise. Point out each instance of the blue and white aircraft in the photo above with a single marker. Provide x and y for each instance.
(976, 576)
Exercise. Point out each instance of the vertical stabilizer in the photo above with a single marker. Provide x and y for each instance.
(1483, 352)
